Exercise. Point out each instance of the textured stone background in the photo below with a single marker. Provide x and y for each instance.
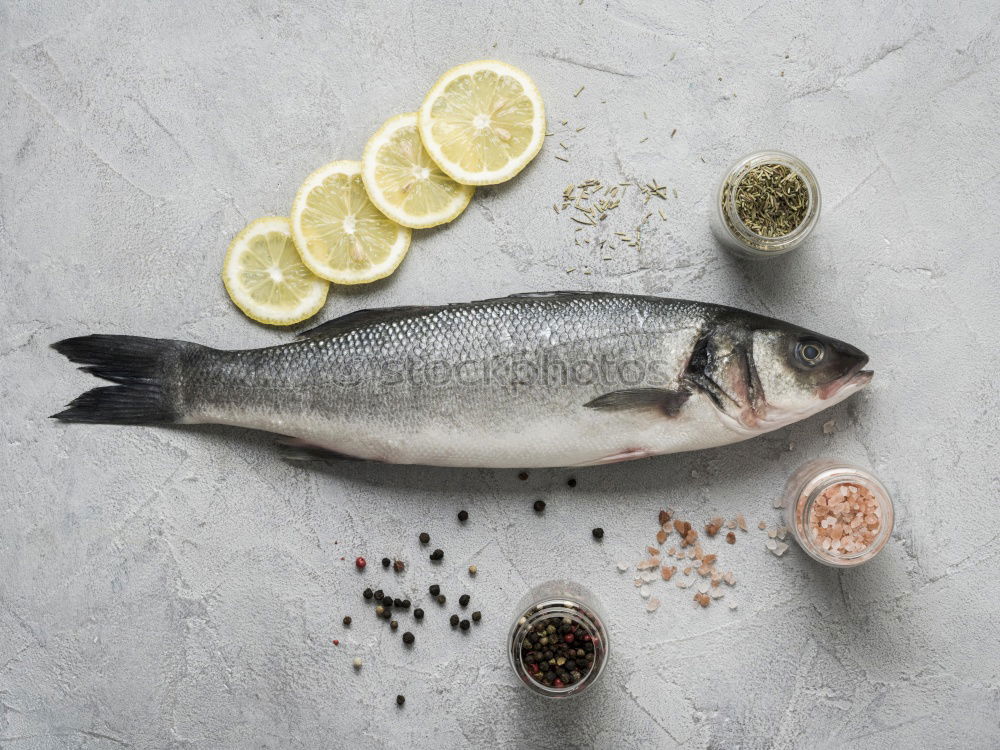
(181, 587)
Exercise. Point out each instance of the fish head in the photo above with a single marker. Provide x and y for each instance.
(765, 373)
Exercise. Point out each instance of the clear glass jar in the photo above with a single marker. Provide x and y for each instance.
(804, 492)
(730, 230)
(559, 603)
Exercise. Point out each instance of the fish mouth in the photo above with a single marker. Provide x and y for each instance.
(855, 379)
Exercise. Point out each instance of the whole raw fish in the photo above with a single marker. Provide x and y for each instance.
(531, 380)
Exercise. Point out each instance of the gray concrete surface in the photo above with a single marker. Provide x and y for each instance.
(182, 587)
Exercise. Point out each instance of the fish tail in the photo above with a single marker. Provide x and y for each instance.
(143, 368)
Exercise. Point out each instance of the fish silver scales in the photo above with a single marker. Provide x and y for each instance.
(549, 379)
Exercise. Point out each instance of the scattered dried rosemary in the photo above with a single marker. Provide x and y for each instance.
(771, 200)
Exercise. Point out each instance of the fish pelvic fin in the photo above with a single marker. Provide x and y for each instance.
(140, 366)
(668, 402)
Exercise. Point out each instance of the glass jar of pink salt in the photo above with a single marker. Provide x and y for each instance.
(839, 513)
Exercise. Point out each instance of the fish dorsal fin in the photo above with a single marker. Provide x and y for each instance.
(358, 318)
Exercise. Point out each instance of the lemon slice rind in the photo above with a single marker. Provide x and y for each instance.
(301, 299)
(393, 187)
(366, 270)
(450, 166)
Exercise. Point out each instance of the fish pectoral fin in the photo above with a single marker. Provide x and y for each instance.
(668, 402)
(293, 449)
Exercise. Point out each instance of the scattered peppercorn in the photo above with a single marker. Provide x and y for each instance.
(386, 562)
(378, 595)
(386, 614)
(357, 662)
(347, 621)
(463, 515)
(731, 538)
(418, 613)
(453, 620)
(477, 616)
(379, 610)
(464, 600)
(424, 537)
(360, 563)
(397, 602)
(441, 599)
(400, 700)
(571, 482)
(473, 570)
(408, 638)
(406, 604)
(598, 533)
(465, 624)
(539, 506)
(523, 476)
(368, 593)
(398, 566)
(434, 589)
(437, 554)
(394, 624)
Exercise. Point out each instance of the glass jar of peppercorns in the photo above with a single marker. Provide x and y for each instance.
(558, 643)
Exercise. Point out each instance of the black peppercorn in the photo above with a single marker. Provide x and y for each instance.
(465, 624)
(398, 566)
(464, 600)
(539, 506)
(441, 599)
(463, 515)
(418, 613)
(453, 620)
(368, 594)
(434, 589)
(378, 595)
(571, 482)
(437, 554)
(523, 476)
(424, 537)
(400, 700)
(386, 562)
(394, 624)
(598, 533)
(408, 638)
(406, 603)
(347, 621)
(397, 602)
(477, 616)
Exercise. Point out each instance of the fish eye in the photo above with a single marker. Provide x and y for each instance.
(809, 353)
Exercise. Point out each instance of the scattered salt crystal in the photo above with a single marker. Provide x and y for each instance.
(781, 549)
(732, 605)
(782, 532)
(622, 567)
(777, 503)
(829, 426)
(718, 593)
(729, 578)
(771, 544)
(648, 576)
(772, 533)
(791, 445)
(644, 591)
(652, 605)
(741, 522)
(703, 588)
(638, 582)
(761, 525)
(652, 562)
(731, 524)
(683, 584)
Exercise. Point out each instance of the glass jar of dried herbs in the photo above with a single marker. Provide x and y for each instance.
(558, 643)
(767, 204)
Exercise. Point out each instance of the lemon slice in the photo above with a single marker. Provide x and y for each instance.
(483, 122)
(265, 277)
(404, 182)
(339, 232)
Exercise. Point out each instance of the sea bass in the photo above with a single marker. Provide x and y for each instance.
(531, 380)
